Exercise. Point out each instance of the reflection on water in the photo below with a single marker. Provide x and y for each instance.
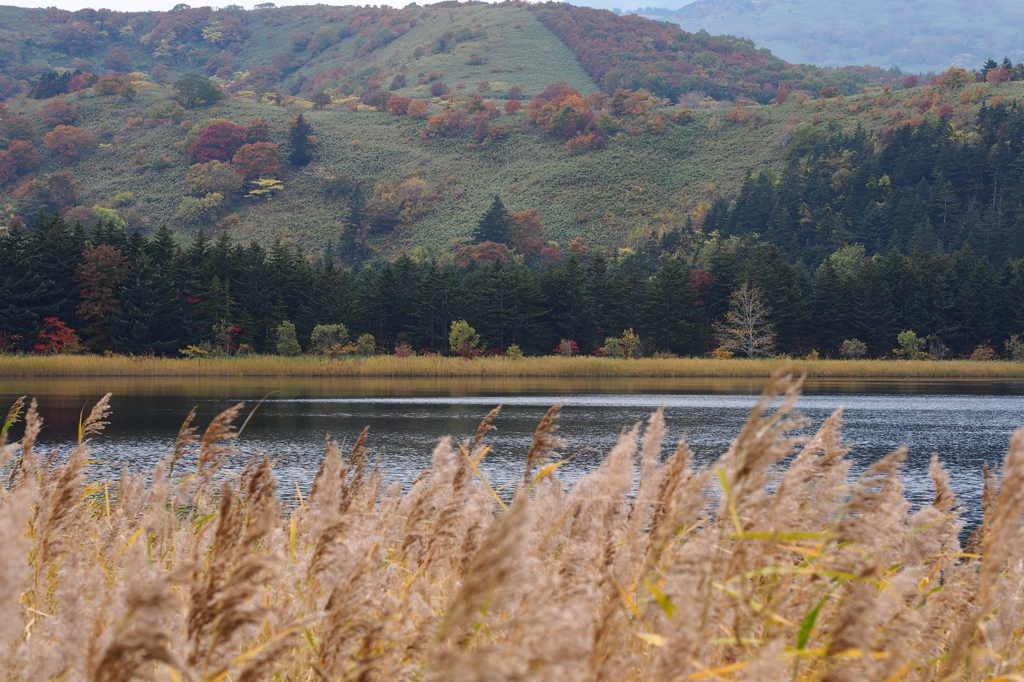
(967, 423)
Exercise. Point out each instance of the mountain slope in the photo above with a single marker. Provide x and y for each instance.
(611, 167)
(916, 35)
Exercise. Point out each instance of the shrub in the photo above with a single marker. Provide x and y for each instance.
(287, 342)
(984, 352)
(853, 349)
(366, 345)
(463, 339)
(625, 346)
(328, 339)
(514, 352)
(910, 345)
(56, 338)
(566, 348)
(417, 109)
(1015, 348)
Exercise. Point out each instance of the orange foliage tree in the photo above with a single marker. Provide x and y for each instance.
(417, 109)
(525, 232)
(58, 112)
(259, 160)
(70, 142)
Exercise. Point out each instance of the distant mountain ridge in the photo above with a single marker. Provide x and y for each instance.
(916, 35)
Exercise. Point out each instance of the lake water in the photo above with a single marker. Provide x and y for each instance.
(967, 423)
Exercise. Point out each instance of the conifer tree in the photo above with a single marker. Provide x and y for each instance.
(299, 133)
(494, 225)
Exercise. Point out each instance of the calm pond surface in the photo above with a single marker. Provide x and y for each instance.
(967, 423)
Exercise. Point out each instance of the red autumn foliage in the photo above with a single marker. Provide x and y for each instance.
(258, 160)
(700, 281)
(23, 155)
(218, 142)
(551, 255)
(513, 106)
(55, 338)
(8, 169)
(103, 269)
(399, 105)
(484, 252)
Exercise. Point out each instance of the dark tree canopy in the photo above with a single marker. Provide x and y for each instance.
(299, 133)
(494, 225)
(194, 89)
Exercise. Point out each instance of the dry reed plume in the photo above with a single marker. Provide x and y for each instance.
(646, 569)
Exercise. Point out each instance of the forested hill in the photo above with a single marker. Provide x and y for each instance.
(360, 133)
(418, 117)
(915, 35)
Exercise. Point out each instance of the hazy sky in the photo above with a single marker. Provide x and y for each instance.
(160, 5)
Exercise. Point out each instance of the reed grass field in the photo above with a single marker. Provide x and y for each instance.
(546, 366)
(774, 563)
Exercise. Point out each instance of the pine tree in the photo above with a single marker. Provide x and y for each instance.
(299, 133)
(672, 315)
(494, 225)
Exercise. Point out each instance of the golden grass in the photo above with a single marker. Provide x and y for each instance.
(550, 366)
(646, 569)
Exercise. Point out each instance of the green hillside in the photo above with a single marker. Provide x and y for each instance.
(915, 35)
(649, 126)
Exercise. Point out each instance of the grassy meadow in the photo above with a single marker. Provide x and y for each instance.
(647, 568)
(546, 366)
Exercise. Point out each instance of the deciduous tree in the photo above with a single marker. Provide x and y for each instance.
(58, 111)
(746, 327)
(216, 176)
(258, 160)
(103, 269)
(217, 142)
(70, 142)
(194, 89)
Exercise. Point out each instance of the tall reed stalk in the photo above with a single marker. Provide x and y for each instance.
(772, 563)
